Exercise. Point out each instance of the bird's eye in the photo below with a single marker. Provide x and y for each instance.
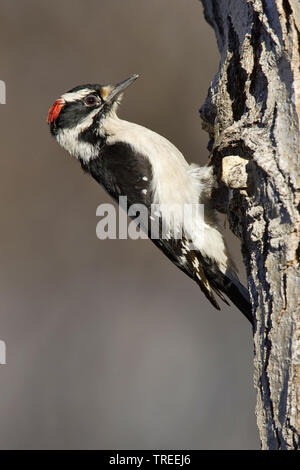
(91, 100)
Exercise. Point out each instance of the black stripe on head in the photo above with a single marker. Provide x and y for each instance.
(73, 112)
(91, 134)
(89, 86)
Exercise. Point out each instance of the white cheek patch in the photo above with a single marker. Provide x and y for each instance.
(69, 139)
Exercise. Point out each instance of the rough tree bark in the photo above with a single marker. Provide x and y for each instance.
(252, 114)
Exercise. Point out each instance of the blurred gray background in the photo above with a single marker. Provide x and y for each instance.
(108, 344)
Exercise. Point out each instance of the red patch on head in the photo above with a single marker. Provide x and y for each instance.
(54, 111)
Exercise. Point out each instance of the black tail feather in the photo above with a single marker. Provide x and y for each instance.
(239, 296)
(229, 285)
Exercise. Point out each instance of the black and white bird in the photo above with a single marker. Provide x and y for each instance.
(130, 160)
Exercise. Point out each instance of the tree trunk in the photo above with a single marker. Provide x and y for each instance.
(252, 114)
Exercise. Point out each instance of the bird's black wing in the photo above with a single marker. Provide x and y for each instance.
(125, 173)
(122, 173)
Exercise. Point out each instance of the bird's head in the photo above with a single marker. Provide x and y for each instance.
(75, 118)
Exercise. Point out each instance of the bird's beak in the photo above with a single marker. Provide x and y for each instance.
(110, 92)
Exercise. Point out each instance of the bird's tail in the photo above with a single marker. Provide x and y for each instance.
(214, 281)
(238, 295)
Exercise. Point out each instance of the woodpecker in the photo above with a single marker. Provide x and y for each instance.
(129, 160)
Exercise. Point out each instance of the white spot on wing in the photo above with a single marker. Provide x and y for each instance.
(196, 263)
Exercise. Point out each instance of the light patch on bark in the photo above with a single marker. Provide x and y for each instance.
(234, 172)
